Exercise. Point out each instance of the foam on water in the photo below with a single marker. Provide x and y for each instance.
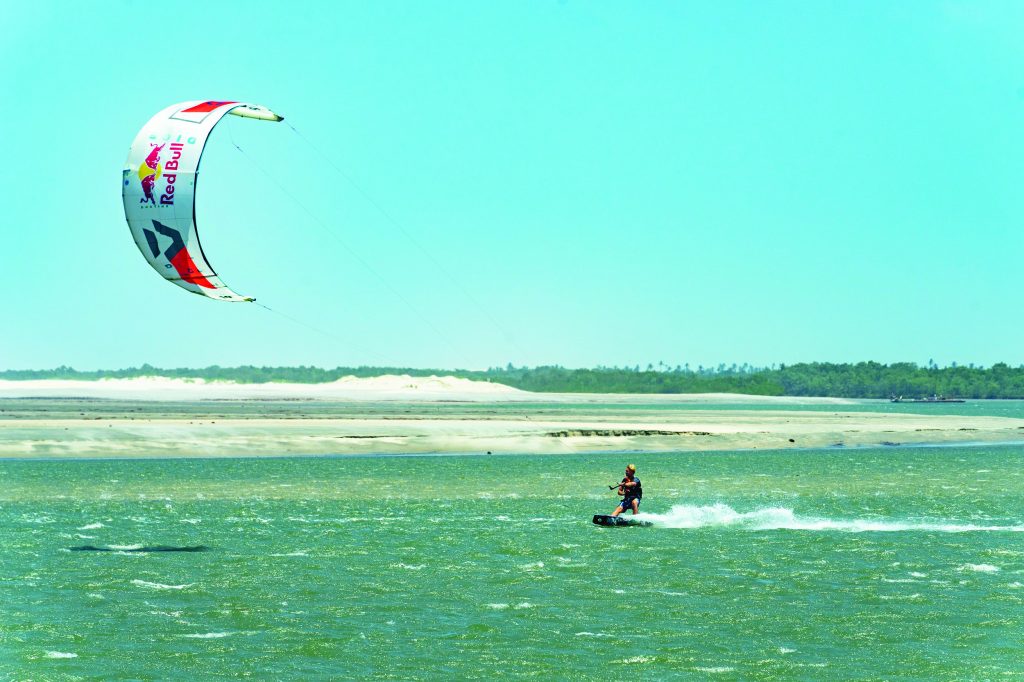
(409, 567)
(160, 586)
(780, 518)
(60, 654)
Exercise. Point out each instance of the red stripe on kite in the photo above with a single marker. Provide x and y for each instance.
(186, 267)
(204, 107)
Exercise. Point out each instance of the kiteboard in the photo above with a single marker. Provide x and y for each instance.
(606, 520)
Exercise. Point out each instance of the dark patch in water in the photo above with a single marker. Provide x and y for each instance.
(153, 548)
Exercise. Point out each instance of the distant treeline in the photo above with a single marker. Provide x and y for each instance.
(860, 380)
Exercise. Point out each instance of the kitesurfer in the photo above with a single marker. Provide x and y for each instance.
(630, 491)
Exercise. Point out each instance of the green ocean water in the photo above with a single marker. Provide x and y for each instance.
(895, 563)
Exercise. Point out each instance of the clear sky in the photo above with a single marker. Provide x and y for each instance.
(477, 183)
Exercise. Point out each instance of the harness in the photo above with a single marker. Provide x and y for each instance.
(636, 491)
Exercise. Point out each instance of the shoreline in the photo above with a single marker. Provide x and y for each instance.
(473, 454)
(446, 429)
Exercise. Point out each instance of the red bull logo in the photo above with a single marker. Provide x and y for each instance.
(149, 173)
(151, 170)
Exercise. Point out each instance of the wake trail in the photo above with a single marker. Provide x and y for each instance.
(780, 518)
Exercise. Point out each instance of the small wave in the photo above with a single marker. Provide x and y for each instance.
(91, 526)
(980, 568)
(716, 669)
(637, 659)
(899, 597)
(780, 518)
(291, 554)
(208, 635)
(160, 586)
(243, 519)
(409, 567)
(497, 607)
(60, 654)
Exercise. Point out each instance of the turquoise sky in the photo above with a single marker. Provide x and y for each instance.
(477, 183)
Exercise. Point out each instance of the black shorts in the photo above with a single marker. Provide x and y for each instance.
(627, 503)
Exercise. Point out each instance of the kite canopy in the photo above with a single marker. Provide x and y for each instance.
(159, 192)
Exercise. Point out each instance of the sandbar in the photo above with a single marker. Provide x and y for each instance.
(451, 416)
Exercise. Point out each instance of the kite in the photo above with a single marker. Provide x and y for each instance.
(159, 192)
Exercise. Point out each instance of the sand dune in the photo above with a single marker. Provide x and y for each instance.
(389, 387)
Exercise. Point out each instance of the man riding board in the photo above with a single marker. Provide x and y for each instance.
(630, 491)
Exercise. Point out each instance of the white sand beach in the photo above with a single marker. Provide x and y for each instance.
(392, 387)
(447, 415)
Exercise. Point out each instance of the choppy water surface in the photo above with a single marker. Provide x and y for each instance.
(815, 565)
